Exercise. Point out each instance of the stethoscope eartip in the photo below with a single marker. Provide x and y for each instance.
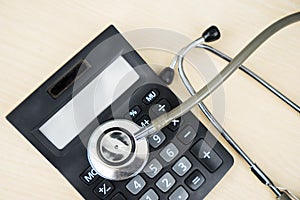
(211, 34)
(167, 75)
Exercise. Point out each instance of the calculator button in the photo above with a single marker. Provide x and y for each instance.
(134, 112)
(118, 196)
(175, 124)
(187, 135)
(182, 166)
(150, 96)
(104, 189)
(206, 155)
(136, 184)
(144, 121)
(153, 168)
(166, 182)
(179, 194)
(160, 108)
(195, 180)
(89, 176)
(157, 139)
(169, 152)
(150, 195)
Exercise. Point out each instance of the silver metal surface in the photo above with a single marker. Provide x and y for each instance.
(287, 195)
(207, 113)
(116, 146)
(145, 132)
(114, 153)
(185, 50)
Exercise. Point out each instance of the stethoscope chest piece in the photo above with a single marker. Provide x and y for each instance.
(114, 153)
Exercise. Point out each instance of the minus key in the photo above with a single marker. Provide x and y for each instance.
(187, 135)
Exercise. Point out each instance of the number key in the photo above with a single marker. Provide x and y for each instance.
(169, 152)
(166, 182)
(150, 195)
(182, 166)
(157, 139)
(153, 168)
(136, 184)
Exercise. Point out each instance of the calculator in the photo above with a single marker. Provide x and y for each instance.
(108, 80)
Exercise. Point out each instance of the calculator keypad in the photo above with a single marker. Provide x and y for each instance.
(159, 108)
(153, 168)
(175, 124)
(144, 121)
(89, 176)
(104, 189)
(179, 194)
(187, 135)
(150, 96)
(157, 139)
(166, 182)
(150, 195)
(195, 180)
(136, 184)
(206, 155)
(134, 111)
(169, 152)
(182, 164)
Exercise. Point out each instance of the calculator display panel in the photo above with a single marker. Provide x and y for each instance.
(65, 125)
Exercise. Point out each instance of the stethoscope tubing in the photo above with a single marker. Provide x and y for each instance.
(253, 75)
(254, 168)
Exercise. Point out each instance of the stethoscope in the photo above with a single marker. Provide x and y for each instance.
(118, 149)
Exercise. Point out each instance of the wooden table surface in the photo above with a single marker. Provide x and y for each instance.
(37, 37)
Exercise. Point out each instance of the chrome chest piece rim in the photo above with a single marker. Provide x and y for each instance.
(114, 153)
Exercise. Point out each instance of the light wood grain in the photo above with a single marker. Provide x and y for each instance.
(37, 37)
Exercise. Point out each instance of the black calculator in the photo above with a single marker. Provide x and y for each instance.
(108, 80)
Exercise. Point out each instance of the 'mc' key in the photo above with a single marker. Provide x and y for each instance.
(89, 176)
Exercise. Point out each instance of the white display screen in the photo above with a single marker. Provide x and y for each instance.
(74, 116)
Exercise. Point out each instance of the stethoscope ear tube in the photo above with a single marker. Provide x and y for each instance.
(238, 60)
(225, 73)
(209, 35)
(253, 75)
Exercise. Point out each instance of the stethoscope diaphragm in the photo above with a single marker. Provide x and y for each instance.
(113, 151)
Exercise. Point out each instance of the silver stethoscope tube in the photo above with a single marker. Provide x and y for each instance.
(254, 168)
(224, 133)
